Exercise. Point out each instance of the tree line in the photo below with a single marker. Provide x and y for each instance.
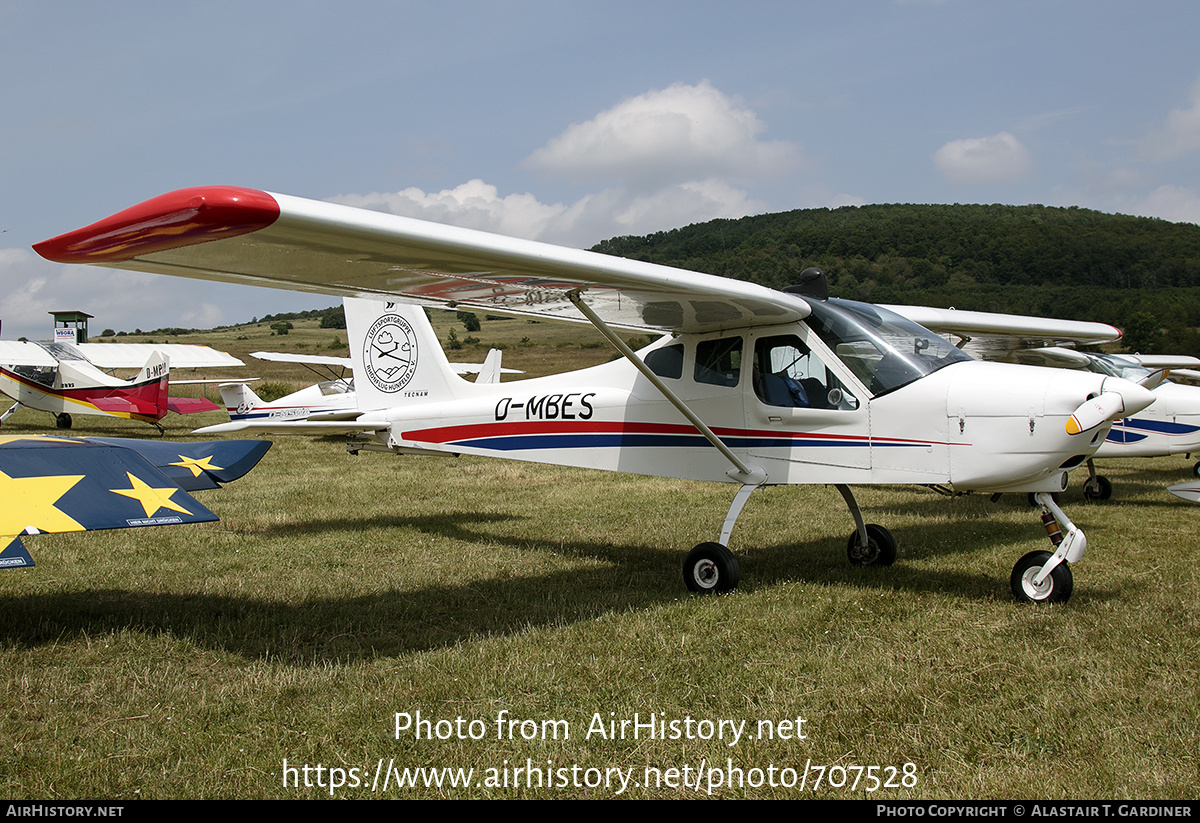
(1141, 274)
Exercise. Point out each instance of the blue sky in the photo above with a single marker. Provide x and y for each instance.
(571, 122)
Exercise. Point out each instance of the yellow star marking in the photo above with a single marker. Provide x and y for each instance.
(29, 501)
(152, 499)
(196, 466)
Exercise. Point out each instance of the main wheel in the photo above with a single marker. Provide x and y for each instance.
(879, 551)
(1054, 589)
(62, 420)
(711, 568)
(1097, 488)
(1196, 469)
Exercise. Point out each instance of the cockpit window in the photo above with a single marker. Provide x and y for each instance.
(884, 350)
(787, 373)
(719, 361)
(666, 362)
(1117, 366)
(62, 351)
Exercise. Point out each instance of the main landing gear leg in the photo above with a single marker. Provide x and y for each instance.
(711, 568)
(869, 544)
(1042, 577)
(10, 412)
(1097, 486)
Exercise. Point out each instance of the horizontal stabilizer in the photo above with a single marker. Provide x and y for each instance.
(125, 404)
(191, 405)
(293, 427)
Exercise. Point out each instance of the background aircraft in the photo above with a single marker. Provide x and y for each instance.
(1170, 425)
(66, 379)
(331, 399)
(66, 484)
(748, 386)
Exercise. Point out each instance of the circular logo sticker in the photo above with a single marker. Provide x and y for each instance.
(390, 353)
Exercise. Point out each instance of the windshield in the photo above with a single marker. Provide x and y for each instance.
(884, 350)
(63, 351)
(1115, 366)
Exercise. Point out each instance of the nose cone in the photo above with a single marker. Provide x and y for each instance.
(1117, 398)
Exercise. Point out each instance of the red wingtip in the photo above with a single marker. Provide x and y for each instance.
(179, 218)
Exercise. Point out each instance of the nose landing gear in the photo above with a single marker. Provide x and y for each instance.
(1042, 577)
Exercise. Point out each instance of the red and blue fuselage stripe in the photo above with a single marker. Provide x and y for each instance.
(593, 434)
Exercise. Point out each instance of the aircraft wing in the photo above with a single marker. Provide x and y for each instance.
(67, 484)
(306, 359)
(1189, 376)
(991, 336)
(18, 353)
(135, 355)
(256, 238)
(1164, 361)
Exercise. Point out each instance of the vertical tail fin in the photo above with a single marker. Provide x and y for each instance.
(239, 400)
(150, 385)
(397, 357)
(489, 372)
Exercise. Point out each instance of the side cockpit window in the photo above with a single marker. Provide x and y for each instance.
(667, 362)
(789, 374)
(718, 362)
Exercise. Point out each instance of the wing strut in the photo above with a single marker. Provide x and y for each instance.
(750, 475)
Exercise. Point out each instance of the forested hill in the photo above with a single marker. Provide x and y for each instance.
(1139, 273)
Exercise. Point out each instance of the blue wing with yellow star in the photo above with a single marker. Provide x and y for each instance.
(65, 484)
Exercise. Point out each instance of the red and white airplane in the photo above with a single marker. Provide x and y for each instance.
(748, 385)
(65, 379)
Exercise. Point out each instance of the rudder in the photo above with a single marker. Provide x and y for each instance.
(397, 357)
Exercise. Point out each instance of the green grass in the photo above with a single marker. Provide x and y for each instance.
(338, 591)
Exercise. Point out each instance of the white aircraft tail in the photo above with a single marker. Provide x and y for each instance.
(489, 372)
(158, 366)
(397, 357)
(239, 400)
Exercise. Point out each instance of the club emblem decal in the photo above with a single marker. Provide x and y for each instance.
(390, 353)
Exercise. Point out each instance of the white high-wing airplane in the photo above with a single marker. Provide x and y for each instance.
(748, 386)
(1170, 425)
(65, 379)
(331, 399)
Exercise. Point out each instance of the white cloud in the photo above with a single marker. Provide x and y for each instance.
(666, 158)
(474, 205)
(592, 218)
(1174, 203)
(30, 288)
(673, 135)
(1001, 158)
(1180, 135)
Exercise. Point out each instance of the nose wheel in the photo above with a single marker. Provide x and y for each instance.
(1097, 488)
(1053, 588)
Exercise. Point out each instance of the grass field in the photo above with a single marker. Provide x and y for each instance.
(338, 592)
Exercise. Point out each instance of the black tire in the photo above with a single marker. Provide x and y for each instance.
(62, 420)
(879, 551)
(1054, 589)
(1196, 470)
(710, 568)
(1097, 488)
